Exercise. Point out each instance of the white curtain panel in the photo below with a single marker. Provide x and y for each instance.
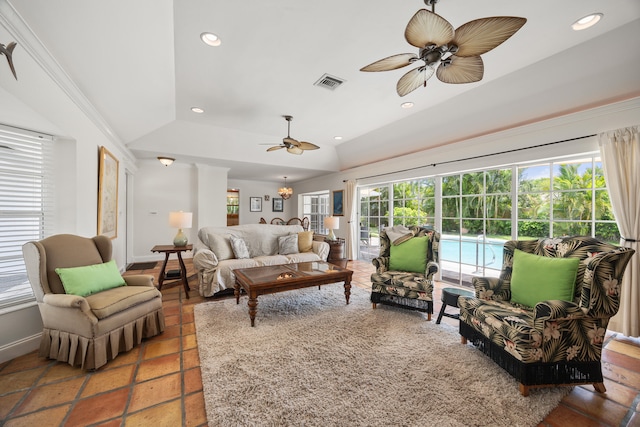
(351, 210)
(620, 151)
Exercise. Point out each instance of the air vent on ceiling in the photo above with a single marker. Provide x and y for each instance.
(329, 82)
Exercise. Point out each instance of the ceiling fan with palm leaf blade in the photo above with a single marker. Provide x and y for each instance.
(454, 56)
(293, 146)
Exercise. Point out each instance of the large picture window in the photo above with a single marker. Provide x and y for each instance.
(26, 196)
(477, 211)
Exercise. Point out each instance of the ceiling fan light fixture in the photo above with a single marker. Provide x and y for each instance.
(453, 55)
(166, 160)
(210, 39)
(587, 21)
(292, 145)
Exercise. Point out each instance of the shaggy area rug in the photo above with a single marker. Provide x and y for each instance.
(312, 360)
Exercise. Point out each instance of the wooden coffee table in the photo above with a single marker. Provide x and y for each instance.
(279, 278)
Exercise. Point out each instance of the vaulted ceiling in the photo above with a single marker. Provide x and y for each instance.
(142, 66)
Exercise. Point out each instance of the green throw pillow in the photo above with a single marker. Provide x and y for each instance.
(539, 278)
(410, 255)
(90, 279)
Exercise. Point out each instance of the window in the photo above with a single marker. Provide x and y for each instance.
(477, 211)
(414, 202)
(316, 208)
(26, 197)
(374, 216)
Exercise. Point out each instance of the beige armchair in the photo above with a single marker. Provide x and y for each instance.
(88, 331)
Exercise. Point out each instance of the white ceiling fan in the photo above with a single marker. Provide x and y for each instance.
(293, 146)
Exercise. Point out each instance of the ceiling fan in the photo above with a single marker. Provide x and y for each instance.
(456, 54)
(293, 146)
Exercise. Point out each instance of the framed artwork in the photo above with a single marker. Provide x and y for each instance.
(108, 194)
(337, 199)
(255, 204)
(278, 205)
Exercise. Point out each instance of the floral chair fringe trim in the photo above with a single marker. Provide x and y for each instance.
(93, 353)
(567, 372)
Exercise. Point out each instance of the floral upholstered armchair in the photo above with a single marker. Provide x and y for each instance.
(396, 283)
(553, 341)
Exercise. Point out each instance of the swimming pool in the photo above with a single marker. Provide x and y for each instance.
(488, 254)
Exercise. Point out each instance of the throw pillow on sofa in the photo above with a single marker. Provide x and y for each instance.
(239, 247)
(288, 244)
(537, 278)
(305, 241)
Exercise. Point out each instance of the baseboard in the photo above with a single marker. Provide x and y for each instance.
(20, 347)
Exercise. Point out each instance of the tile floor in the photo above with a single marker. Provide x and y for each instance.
(158, 383)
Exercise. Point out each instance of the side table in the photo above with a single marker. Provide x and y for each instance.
(168, 250)
(336, 253)
(450, 297)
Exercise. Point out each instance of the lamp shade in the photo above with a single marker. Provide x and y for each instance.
(180, 219)
(332, 223)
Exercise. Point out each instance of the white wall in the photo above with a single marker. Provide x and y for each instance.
(212, 197)
(260, 189)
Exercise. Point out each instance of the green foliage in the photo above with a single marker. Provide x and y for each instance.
(473, 196)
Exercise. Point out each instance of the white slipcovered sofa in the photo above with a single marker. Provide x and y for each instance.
(214, 258)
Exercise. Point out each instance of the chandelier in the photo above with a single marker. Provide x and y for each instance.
(285, 192)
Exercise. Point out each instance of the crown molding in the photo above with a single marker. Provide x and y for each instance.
(29, 41)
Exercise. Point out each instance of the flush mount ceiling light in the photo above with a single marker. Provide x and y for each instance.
(197, 110)
(166, 160)
(210, 39)
(587, 21)
(453, 55)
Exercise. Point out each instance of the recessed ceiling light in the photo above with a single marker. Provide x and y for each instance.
(337, 138)
(406, 105)
(210, 39)
(587, 21)
(197, 110)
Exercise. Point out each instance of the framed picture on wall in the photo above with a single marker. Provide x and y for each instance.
(337, 203)
(278, 205)
(255, 204)
(108, 194)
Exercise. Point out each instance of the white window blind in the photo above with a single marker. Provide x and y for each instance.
(26, 205)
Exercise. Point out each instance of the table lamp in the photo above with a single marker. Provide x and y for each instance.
(331, 223)
(180, 220)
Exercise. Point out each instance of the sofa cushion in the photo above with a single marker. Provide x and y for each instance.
(302, 257)
(112, 301)
(305, 241)
(220, 244)
(410, 255)
(90, 279)
(288, 244)
(239, 247)
(537, 278)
